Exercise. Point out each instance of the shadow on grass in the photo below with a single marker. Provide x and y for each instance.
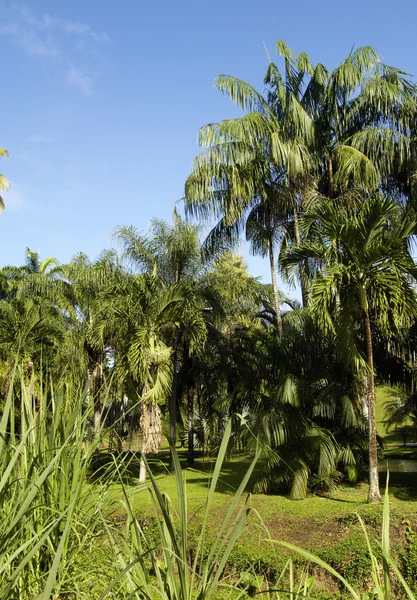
(123, 467)
(400, 436)
(114, 467)
(117, 467)
(402, 485)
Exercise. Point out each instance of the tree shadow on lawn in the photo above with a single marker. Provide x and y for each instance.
(123, 467)
(113, 467)
(402, 485)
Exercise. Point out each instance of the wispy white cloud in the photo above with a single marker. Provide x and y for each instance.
(29, 40)
(22, 16)
(38, 138)
(46, 36)
(82, 30)
(77, 78)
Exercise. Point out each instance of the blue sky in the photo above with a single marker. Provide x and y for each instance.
(102, 101)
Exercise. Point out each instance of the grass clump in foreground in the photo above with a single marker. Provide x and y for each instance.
(48, 517)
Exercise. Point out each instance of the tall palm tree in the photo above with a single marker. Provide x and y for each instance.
(241, 175)
(173, 253)
(368, 273)
(362, 114)
(81, 358)
(317, 133)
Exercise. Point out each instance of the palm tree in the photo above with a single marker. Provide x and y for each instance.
(174, 254)
(81, 358)
(34, 302)
(317, 133)
(144, 311)
(31, 330)
(368, 273)
(242, 175)
(309, 418)
(362, 115)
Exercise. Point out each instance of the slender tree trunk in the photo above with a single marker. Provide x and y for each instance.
(337, 294)
(331, 195)
(173, 398)
(142, 469)
(364, 399)
(374, 495)
(97, 419)
(331, 179)
(303, 275)
(97, 383)
(190, 418)
(173, 411)
(269, 225)
(277, 303)
(121, 436)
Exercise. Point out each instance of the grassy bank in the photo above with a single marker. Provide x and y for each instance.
(327, 525)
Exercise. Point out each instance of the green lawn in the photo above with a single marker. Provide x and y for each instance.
(301, 522)
(346, 500)
(327, 525)
(394, 438)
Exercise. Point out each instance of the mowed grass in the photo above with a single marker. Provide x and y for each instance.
(325, 524)
(318, 522)
(198, 478)
(393, 438)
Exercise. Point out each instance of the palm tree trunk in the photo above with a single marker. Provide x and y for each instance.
(97, 383)
(142, 469)
(97, 419)
(303, 276)
(331, 179)
(173, 398)
(190, 418)
(364, 399)
(374, 495)
(173, 411)
(277, 304)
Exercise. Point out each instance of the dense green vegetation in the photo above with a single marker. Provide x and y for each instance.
(171, 340)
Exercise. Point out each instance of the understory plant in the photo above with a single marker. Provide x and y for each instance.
(48, 513)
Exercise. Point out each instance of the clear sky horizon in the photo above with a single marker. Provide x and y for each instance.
(101, 103)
